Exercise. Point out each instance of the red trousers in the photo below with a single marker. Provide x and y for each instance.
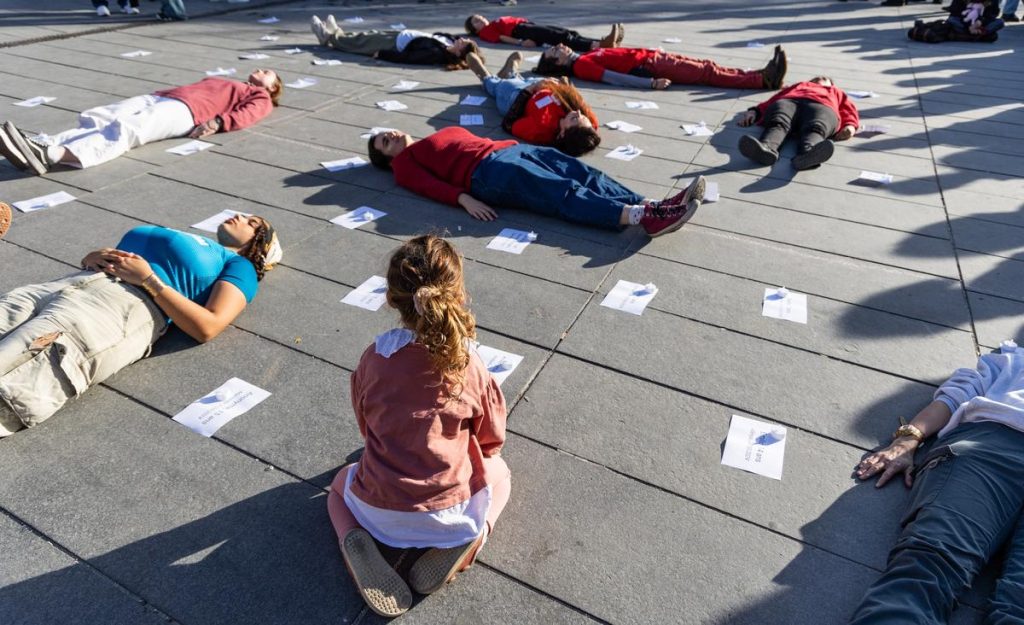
(683, 70)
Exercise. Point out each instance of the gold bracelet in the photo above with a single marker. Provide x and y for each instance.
(153, 290)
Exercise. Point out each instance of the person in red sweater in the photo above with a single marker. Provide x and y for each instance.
(540, 111)
(106, 132)
(456, 167)
(654, 69)
(431, 475)
(815, 111)
(520, 31)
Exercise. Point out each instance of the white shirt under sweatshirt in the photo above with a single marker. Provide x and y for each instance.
(992, 392)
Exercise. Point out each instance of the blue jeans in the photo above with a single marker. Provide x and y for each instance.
(959, 26)
(546, 181)
(965, 504)
(1010, 6)
(505, 90)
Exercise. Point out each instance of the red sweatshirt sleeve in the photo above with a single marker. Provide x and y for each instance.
(413, 176)
(848, 115)
(355, 390)
(586, 68)
(489, 427)
(247, 111)
(489, 33)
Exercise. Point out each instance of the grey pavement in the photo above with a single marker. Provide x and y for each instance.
(621, 512)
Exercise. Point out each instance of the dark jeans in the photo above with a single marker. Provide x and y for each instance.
(812, 122)
(959, 26)
(546, 181)
(123, 3)
(966, 503)
(552, 36)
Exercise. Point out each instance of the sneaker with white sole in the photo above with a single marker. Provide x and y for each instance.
(320, 30)
(332, 25)
(35, 163)
(129, 10)
(10, 150)
(693, 191)
(102, 11)
(383, 589)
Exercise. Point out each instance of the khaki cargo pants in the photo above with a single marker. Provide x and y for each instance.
(59, 338)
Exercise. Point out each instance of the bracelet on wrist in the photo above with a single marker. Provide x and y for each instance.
(153, 285)
(908, 431)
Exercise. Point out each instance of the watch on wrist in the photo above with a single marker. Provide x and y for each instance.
(906, 429)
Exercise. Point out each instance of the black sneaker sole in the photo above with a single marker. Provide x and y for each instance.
(10, 151)
(22, 144)
(757, 151)
(815, 156)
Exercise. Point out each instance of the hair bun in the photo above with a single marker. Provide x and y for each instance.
(422, 296)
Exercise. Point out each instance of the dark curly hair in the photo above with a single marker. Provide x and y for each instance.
(547, 66)
(255, 251)
(577, 141)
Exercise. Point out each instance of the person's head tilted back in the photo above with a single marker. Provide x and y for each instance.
(425, 285)
(254, 238)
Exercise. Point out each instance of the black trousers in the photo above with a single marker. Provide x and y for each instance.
(811, 122)
(552, 36)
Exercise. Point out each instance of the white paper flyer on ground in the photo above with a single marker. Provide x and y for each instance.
(755, 44)
(878, 129)
(755, 446)
(44, 201)
(192, 147)
(404, 85)
(356, 20)
(391, 105)
(501, 364)
(344, 163)
(622, 126)
(358, 217)
(369, 295)
(210, 223)
(269, 38)
(233, 398)
(36, 101)
(328, 62)
(711, 192)
(700, 129)
(293, 51)
(512, 241)
(135, 54)
(784, 304)
(222, 71)
(624, 153)
(473, 100)
(398, 26)
(630, 297)
(672, 40)
(471, 120)
(861, 95)
(302, 83)
(373, 132)
(268, 20)
(642, 105)
(874, 177)
(253, 56)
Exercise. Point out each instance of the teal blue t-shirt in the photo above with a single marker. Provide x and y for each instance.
(189, 263)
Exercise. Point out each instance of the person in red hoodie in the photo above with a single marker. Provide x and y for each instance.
(433, 417)
(106, 132)
(520, 31)
(644, 68)
(458, 168)
(542, 111)
(815, 111)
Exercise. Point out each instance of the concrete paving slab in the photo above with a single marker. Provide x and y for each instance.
(611, 339)
(996, 319)
(908, 347)
(23, 266)
(41, 584)
(993, 275)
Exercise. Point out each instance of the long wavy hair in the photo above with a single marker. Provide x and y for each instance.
(255, 251)
(458, 61)
(425, 285)
(575, 141)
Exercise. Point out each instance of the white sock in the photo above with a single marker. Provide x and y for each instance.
(636, 213)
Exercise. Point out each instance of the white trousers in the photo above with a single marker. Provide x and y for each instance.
(106, 132)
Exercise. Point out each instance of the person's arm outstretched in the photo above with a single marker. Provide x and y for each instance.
(637, 82)
(202, 323)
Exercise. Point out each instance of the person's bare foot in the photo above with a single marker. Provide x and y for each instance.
(511, 66)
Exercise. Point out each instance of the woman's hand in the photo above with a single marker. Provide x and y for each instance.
(846, 133)
(97, 260)
(126, 266)
(748, 118)
(476, 208)
(660, 83)
(895, 459)
(528, 43)
(205, 130)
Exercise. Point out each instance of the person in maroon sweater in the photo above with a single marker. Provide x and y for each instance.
(456, 167)
(654, 69)
(520, 31)
(816, 112)
(106, 132)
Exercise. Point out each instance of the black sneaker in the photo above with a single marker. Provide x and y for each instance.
(34, 162)
(774, 73)
(10, 150)
(1010, 17)
(757, 151)
(814, 157)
